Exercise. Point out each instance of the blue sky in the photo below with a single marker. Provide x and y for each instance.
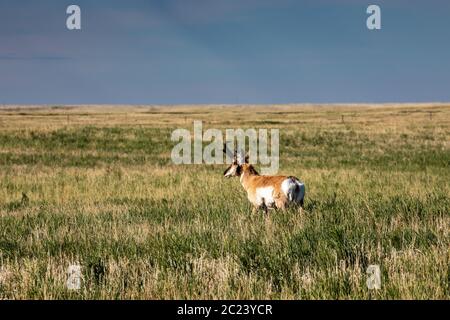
(224, 51)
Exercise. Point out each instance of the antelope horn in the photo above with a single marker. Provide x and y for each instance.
(241, 158)
(229, 153)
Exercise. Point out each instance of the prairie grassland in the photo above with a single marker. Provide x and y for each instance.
(95, 186)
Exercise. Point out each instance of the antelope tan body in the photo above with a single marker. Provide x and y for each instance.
(266, 192)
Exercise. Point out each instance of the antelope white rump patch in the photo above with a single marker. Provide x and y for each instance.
(293, 189)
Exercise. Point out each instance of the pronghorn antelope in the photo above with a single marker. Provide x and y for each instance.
(265, 192)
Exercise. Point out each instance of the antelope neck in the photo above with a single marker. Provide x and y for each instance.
(244, 176)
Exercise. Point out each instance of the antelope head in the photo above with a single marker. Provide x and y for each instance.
(235, 169)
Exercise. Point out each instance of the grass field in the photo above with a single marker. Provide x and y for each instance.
(96, 186)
